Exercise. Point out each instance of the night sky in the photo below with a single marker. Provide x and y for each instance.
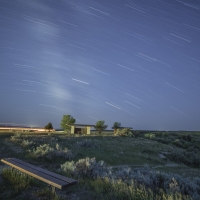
(131, 61)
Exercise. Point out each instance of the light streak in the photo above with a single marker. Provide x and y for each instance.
(132, 96)
(99, 10)
(132, 104)
(101, 71)
(67, 23)
(125, 67)
(174, 87)
(113, 105)
(79, 81)
(147, 56)
(180, 37)
(134, 8)
(179, 111)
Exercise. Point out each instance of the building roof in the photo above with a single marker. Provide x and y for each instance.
(122, 127)
(84, 125)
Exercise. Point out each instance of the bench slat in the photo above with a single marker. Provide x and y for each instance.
(36, 174)
(63, 178)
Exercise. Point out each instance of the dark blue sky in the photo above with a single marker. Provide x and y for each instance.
(136, 62)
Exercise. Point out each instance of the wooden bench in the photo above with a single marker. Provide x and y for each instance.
(53, 179)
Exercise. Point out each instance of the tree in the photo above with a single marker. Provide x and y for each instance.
(67, 119)
(116, 125)
(100, 126)
(49, 126)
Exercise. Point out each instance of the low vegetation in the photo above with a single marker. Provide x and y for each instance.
(17, 179)
(124, 132)
(50, 153)
(125, 165)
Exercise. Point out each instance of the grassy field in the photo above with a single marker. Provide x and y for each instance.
(148, 165)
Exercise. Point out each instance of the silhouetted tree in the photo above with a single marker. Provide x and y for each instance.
(49, 126)
(100, 126)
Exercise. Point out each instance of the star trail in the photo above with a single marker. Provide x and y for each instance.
(131, 61)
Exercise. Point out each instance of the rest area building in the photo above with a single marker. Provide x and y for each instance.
(80, 128)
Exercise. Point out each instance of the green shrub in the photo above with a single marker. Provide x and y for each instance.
(190, 158)
(166, 134)
(103, 182)
(16, 138)
(46, 193)
(180, 143)
(176, 141)
(42, 151)
(187, 138)
(192, 148)
(124, 132)
(104, 189)
(26, 143)
(17, 179)
(149, 135)
(47, 152)
(87, 167)
(2, 167)
(158, 134)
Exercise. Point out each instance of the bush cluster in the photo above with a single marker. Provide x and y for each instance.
(180, 143)
(16, 138)
(124, 132)
(26, 143)
(48, 152)
(189, 158)
(149, 135)
(158, 134)
(187, 138)
(87, 167)
(147, 178)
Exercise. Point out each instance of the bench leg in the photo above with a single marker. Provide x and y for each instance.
(53, 190)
